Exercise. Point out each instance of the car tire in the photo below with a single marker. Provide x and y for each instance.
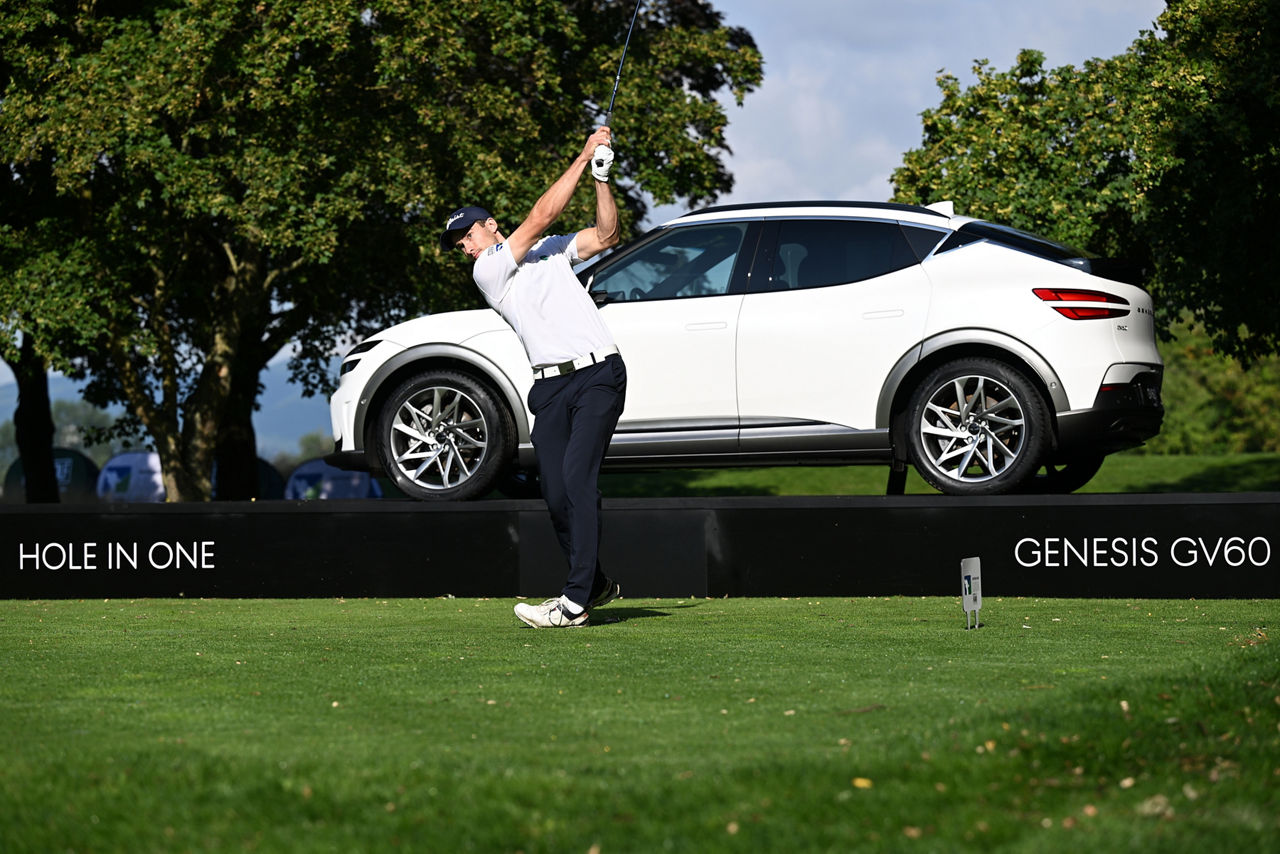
(443, 436)
(1062, 477)
(976, 427)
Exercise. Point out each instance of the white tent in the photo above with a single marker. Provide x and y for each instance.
(317, 479)
(131, 476)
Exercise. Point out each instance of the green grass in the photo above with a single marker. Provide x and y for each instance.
(1121, 473)
(688, 725)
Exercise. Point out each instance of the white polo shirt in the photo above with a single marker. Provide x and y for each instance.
(549, 309)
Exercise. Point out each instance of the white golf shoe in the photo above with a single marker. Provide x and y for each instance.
(551, 614)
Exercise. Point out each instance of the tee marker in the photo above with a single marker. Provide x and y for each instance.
(971, 590)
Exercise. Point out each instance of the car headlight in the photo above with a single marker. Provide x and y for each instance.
(352, 358)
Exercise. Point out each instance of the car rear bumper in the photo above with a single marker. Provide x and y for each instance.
(1124, 414)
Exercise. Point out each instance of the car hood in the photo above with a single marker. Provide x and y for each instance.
(454, 327)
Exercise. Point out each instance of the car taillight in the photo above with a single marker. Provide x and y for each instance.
(1083, 312)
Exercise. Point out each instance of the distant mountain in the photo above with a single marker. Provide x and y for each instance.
(283, 418)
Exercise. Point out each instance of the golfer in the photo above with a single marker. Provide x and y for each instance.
(580, 381)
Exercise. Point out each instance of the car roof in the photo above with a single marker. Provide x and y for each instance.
(877, 210)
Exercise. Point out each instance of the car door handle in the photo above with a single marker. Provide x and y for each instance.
(883, 315)
(706, 327)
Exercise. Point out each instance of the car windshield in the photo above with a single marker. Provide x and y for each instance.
(690, 261)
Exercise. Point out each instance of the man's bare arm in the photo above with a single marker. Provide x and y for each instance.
(553, 202)
(593, 241)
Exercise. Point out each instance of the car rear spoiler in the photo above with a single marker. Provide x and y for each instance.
(1115, 269)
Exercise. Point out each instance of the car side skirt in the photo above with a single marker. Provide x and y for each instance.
(762, 442)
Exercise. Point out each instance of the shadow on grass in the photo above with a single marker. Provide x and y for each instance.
(611, 615)
(1260, 475)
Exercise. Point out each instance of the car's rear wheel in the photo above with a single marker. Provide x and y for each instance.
(976, 427)
(1064, 476)
(443, 436)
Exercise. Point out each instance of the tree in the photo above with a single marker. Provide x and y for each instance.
(219, 178)
(1164, 154)
(77, 426)
(310, 446)
(1046, 151)
(33, 424)
(1209, 176)
(1213, 405)
(47, 307)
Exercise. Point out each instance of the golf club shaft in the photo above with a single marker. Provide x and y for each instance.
(618, 79)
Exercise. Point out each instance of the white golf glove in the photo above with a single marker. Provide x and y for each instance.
(601, 162)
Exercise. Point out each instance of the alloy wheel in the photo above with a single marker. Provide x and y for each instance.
(973, 428)
(438, 438)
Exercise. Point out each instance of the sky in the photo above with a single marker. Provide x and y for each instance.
(845, 82)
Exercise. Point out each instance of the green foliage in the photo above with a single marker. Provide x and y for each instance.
(1215, 404)
(1209, 170)
(8, 446)
(1163, 155)
(1046, 151)
(192, 185)
(688, 725)
(310, 446)
(78, 426)
(83, 427)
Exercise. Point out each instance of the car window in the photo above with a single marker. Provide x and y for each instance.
(922, 240)
(814, 253)
(692, 261)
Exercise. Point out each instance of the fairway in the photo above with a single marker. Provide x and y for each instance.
(693, 725)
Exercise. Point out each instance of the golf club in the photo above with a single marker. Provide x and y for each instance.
(600, 159)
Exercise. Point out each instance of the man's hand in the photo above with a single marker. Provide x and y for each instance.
(599, 151)
(601, 162)
(602, 136)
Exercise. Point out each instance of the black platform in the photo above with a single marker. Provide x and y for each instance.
(1151, 546)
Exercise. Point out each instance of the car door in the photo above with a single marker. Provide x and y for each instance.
(836, 303)
(671, 306)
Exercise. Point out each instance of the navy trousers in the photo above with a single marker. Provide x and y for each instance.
(574, 418)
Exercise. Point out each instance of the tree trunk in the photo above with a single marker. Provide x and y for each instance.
(33, 425)
(187, 445)
(237, 454)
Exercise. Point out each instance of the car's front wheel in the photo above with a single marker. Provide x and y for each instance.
(442, 436)
(976, 427)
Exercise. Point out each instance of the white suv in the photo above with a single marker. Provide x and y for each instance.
(793, 333)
